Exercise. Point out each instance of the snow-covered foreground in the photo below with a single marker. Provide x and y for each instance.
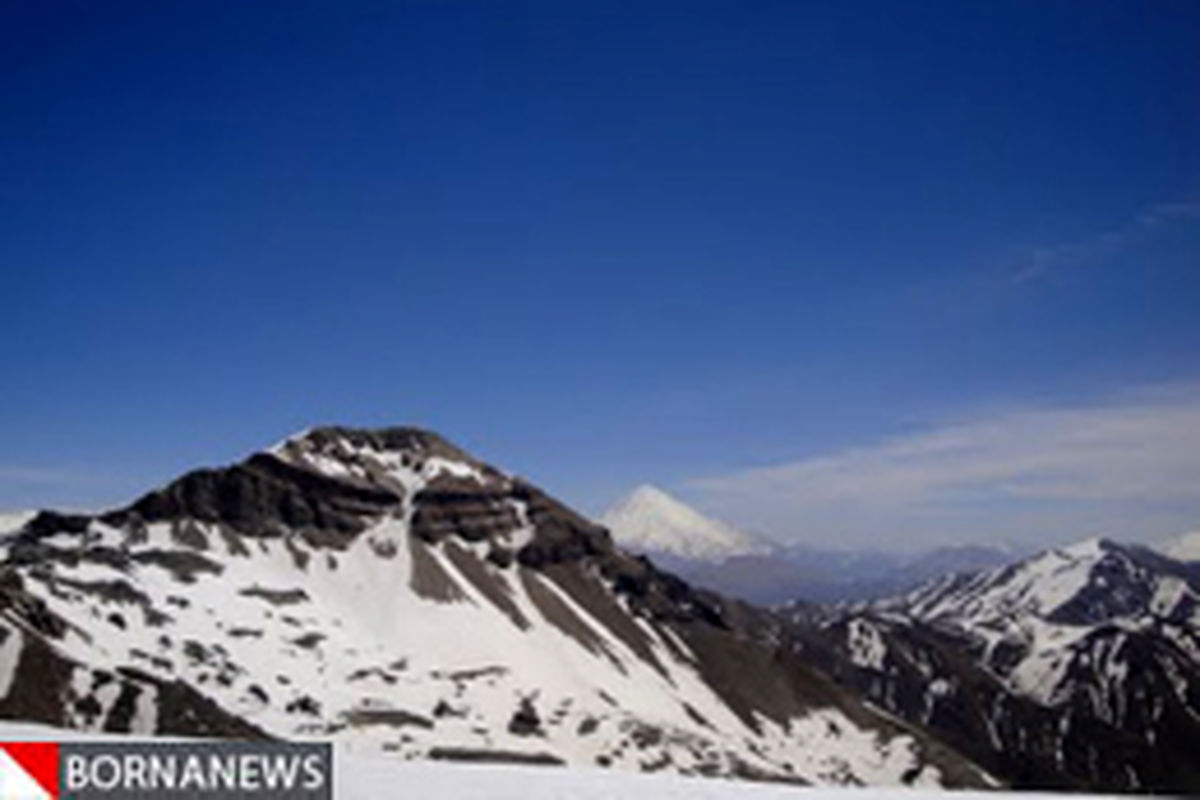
(364, 777)
(359, 776)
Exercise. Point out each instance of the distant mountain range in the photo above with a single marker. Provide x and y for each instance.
(1077, 667)
(718, 556)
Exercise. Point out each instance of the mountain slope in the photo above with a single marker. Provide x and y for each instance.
(1080, 666)
(390, 590)
(651, 521)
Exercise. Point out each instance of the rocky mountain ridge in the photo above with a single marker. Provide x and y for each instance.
(1076, 668)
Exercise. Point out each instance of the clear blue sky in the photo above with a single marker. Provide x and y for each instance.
(595, 243)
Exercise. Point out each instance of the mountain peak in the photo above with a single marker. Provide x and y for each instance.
(1183, 548)
(651, 520)
(1059, 657)
(652, 493)
(399, 455)
(396, 438)
(1092, 582)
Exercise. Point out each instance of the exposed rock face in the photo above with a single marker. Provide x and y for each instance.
(265, 496)
(1078, 668)
(386, 587)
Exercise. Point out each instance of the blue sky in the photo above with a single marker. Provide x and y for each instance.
(601, 244)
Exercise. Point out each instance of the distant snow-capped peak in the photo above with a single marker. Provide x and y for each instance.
(13, 520)
(650, 520)
(1182, 548)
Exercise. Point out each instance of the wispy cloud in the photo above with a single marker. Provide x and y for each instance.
(1130, 468)
(1042, 259)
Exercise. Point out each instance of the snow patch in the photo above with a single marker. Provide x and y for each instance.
(867, 648)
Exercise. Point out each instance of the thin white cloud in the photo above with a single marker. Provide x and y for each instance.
(1128, 468)
(1045, 258)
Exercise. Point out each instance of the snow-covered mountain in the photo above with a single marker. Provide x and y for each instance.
(384, 588)
(651, 521)
(1078, 667)
(12, 520)
(1183, 548)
